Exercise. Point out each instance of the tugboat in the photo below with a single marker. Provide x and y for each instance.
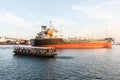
(47, 37)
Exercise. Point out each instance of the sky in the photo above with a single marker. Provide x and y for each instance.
(76, 18)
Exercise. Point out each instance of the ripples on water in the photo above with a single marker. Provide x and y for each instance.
(69, 64)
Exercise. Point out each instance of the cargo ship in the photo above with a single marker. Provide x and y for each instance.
(47, 37)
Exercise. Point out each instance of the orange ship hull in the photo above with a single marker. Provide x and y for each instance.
(82, 45)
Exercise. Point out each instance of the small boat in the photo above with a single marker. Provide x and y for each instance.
(35, 51)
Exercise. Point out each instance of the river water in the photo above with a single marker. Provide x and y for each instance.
(69, 64)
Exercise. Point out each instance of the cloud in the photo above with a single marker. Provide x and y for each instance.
(13, 19)
(105, 10)
(94, 12)
(30, 26)
(107, 13)
(112, 4)
(62, 21)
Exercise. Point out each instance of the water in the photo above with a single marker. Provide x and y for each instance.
(69, 64)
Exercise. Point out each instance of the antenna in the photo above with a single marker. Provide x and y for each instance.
(50, 23)
(92, 36)
(61, 31)
(107, 33)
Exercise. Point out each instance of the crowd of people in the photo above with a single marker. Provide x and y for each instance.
(34, 51)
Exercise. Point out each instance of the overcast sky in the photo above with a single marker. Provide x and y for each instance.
(79, 18)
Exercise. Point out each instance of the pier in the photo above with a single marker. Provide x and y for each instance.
(13, 41)
(35, 51)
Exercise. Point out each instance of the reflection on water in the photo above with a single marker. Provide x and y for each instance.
(69, 64)
(64, 57)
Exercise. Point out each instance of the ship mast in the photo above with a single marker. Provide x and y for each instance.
(61, 31)
(53, 30)
(50, 23)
